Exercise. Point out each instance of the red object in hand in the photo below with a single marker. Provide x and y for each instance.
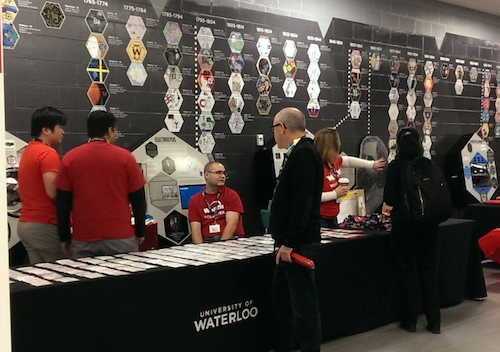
(301, 260)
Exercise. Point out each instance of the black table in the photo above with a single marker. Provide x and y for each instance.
(487, 217)
(164, 309)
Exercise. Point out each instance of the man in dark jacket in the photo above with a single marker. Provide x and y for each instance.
(295, 226)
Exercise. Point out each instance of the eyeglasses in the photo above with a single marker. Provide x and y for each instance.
(220, 172)
(276, 125)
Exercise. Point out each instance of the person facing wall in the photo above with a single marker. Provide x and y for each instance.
(97, 184)
(38, 169)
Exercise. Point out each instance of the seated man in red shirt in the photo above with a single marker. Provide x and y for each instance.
(97, 183)
(215, 213)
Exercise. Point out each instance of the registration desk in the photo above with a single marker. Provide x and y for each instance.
(226, 306)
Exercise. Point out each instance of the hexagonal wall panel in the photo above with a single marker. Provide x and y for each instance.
(168, 166)
(205, 59)
(205, 37)
(235, 42)
(236, 63)
(313, 89)
(172, 33)
(136, 50)
(264, 45)
(206, 101)
(9, 11)
(52, 14)
(174, 121)
(96, 46)
(263, 105)
(10, 36)
(151, 149)
(206, 121)
(173, 77)
(206, 80)
(313, 71)
(289, 49)
(236, 123)
(313, 53)
(263, 85)
(163, 192)
(313, 108)
(289, 87)
(236, 103)
(289, 68)
(263, 66)
(173, 55)
(176, 227)
(173, 99)
(135, 27)
(98, 94)
(137, 74)
(97, 70)
(206, 142)
(96, 21)
(236, 83)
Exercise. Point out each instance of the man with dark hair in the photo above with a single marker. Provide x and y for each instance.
(37, 171)
(295, 226)
(97, 183)
(215, 213)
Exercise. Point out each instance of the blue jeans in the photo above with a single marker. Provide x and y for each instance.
(295, 303)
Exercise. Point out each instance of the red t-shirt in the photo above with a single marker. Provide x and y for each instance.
(219, 203)
(37, 159)
(100, 176)
(330, 209)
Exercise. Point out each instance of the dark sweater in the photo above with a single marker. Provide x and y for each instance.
(295, 206)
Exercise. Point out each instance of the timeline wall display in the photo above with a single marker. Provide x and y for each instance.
(216, 76)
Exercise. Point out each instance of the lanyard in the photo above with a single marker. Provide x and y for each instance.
(36, 139)
(215, 210)
(334, 172)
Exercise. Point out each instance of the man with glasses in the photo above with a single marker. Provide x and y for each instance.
(294, 225)
(215, 212)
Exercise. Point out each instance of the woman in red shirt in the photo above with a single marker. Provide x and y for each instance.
(327, 141)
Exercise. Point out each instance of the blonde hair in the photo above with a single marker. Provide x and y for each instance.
(327, 140)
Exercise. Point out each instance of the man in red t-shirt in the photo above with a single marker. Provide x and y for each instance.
(97, 183)
(38, 168)
(215, 213)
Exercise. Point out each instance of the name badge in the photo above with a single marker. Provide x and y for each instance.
(215, 228)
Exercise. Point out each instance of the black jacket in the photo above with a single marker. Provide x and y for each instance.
(295, 206)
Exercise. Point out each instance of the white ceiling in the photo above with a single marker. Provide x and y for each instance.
(488, 6)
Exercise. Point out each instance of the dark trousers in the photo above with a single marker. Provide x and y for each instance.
(416, 254)
(329, 223)
(295, 302)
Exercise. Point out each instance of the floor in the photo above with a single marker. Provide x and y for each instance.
(472, 326)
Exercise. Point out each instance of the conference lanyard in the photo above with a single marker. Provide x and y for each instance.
(215, 210)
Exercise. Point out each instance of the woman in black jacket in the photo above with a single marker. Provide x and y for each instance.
(415, 247)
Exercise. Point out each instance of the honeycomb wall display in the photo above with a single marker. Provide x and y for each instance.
(215, 78)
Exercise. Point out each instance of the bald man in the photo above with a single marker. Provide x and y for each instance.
(294, 225)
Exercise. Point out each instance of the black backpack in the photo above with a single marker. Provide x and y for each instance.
(425, 196)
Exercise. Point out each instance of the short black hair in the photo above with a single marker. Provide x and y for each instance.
(99, 122)
(46, 117)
